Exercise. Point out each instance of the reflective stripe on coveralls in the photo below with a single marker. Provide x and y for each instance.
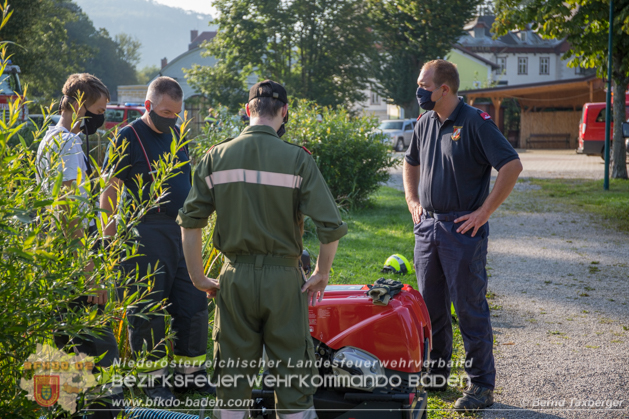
(253, 176)
(260, 188)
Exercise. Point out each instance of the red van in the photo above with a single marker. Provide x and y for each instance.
(592, 128)
(122, 114)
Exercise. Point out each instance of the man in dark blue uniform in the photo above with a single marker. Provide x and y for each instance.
(453, 148)
(149, 140)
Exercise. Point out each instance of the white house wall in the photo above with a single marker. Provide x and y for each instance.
(558, 68)
(186, 60)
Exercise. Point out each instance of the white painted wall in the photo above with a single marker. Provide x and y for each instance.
(558, 68)
(376, 105)
(186, 60)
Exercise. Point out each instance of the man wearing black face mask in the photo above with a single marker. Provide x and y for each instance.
(82, 109)
(149, 139)
(452, 151)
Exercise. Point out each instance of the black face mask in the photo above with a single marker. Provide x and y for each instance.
(92, 122)
(282, 129)
(162, 124)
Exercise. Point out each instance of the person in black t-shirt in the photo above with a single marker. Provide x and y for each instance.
(452, 151)
(148, 139)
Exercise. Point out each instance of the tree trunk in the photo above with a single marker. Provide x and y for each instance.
(619, 153)
(411, 111)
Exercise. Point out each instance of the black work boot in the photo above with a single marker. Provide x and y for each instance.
(474, 398)
(191, 383)
(157, 391)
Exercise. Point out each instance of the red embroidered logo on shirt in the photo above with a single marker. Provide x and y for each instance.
(456, 134)
(485, 115)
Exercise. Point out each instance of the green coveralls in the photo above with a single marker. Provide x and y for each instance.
(260, 188)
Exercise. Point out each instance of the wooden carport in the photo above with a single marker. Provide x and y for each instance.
(541, 102)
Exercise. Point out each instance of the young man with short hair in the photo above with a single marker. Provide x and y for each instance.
(260, 188)
(61, 150)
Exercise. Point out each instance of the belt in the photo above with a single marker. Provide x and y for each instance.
(445, 216)
(261, 260)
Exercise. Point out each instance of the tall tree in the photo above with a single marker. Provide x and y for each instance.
(111, 60)
(411, 32)
(318, 49)
(147, 73)
(55, 39)
(585, 25)
(43, 51)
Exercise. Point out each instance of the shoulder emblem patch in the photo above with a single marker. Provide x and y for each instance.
(456, 134)
(307, 151)
(485, 115)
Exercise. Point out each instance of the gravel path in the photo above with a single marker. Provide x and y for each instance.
(560, 313)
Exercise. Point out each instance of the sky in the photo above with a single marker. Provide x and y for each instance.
(200, 6)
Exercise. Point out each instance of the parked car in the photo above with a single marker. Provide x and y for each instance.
(592, 128)
(10, 88)
(399, 131)
(122, 115)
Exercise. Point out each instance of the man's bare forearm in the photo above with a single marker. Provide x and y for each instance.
(326, 257)
(192, 239)
(411, 182)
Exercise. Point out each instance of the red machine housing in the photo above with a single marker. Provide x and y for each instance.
(395, 333)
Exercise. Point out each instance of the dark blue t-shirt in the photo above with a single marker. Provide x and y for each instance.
(456, 158)
(134, 163)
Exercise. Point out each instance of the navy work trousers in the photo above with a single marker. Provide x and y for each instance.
(161, 247)
(450, 266)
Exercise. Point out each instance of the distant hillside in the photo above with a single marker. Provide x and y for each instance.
(164, 31)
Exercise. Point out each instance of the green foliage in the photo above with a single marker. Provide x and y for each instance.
(409, 33)
(585, 25)
(222, 85)
(147, 73)
(37, 25)
(56, 39)
(228, 126)
(111, 60)
(48, 260)
(318, 50)
(352, 159)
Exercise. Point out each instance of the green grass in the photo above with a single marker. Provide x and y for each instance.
(375, 233)
(589, 196)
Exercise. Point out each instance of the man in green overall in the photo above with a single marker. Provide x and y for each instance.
(261, 187)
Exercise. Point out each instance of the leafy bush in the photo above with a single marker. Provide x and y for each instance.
(351, 157)
(45, 255)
